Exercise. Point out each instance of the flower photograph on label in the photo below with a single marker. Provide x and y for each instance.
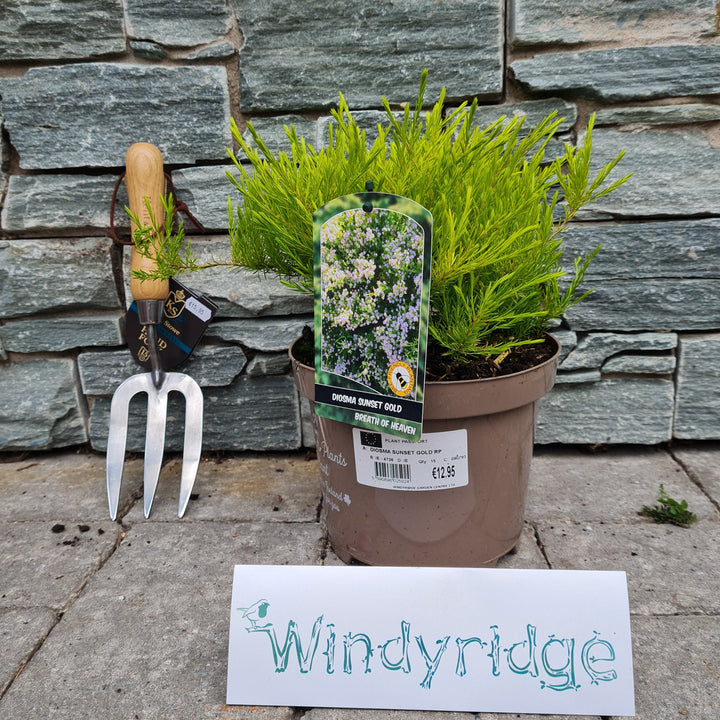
(371, 275)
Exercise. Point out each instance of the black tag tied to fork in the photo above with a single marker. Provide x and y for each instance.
(187, 314)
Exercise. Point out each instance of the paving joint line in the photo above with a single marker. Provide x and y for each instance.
(694, 479)
(60, 613)
(26, 661)
(540, 544)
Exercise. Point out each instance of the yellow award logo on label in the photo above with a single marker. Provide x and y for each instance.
(401, 379)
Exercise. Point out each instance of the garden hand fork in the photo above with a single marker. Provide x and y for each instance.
(145, 182)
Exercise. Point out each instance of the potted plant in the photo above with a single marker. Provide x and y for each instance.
(498, 284)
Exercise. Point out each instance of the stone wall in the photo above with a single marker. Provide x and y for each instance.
(80, 80)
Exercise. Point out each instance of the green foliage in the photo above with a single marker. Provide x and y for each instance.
(499, 207)
(164, 242)
(670, 511)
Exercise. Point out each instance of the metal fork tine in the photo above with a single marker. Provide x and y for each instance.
(154, 436)
(117, 437)
(193, 439)
(154, 444)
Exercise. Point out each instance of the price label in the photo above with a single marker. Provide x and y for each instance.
(186, 315)
(438, 461)
(442, 472)
(198, 309)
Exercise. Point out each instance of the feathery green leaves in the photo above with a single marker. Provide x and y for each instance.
(499, 207)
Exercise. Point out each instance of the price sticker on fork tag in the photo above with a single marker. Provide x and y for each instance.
(438, 461)
(185, 318)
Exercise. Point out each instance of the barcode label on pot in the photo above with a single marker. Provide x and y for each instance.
(392, 471)
(438, 461)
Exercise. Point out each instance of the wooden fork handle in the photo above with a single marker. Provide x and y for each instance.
(144, 178)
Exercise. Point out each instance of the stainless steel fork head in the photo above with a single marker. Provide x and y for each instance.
(154, 435)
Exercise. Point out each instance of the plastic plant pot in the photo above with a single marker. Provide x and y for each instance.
(472, 525)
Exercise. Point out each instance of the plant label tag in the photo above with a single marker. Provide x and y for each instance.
(476, 640)
(186, 316)
(373, 254)
(438, 461)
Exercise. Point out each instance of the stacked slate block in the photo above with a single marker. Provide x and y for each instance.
(645, 366)
(80, 81)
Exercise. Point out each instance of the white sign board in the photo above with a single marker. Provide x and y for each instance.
(477, 640)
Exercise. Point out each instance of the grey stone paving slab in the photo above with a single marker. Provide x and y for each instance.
(21, 631)
(246, 488)
(267, 335)
(61, 29)
(205, 191)
(702, 463)
(621, 410)
(620, 74)
(673, 172)
(252, 712)
(62, 484)
(670, 569)
(525, 716)
(46, 564)
(567, 22)
(61, 333)
(648, 304)
(658, 115)
(595, 348)
(697, 408)
(649, 250)
(85, 95)
(356, 714)
(149, 634)
(47, 203)
(192, 22)
(366, 50)
(676, 668)
(52, 265)
(528, 555)
(609, 487)
(152, 621)
(40, 407)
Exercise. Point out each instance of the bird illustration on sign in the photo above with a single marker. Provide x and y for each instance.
(255, 613)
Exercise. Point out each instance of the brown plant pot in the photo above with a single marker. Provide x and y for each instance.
(469, 526)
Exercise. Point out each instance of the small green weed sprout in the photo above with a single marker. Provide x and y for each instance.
(670, 511)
